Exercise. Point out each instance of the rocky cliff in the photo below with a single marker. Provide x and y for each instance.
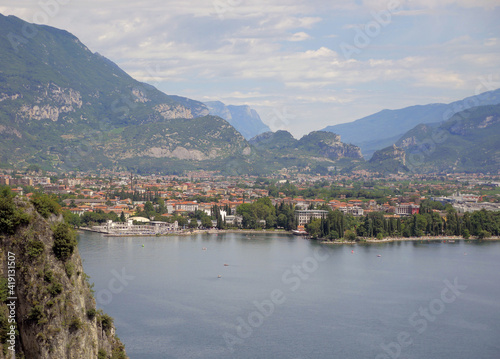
(44, 291)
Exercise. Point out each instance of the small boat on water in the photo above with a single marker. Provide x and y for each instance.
(451, 241)
(226, 265)
(219, 276)
(204, 249)
(378, 255)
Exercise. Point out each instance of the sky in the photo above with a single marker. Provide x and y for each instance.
(302, 64)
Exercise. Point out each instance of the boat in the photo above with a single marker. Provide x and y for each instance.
(219, 276)
(226, 265)
(451, 241)
(378, 255)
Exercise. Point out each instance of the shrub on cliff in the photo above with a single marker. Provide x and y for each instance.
(45, 205)
(10, 216)
(64, 241)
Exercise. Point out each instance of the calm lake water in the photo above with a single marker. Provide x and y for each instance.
(285, 297)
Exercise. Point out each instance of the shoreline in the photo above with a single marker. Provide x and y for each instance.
(410, 239)
(187, 233)
(321, 241)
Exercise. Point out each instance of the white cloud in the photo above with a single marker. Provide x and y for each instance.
(256, 52)
(299, 36)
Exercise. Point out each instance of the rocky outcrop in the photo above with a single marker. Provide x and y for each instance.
(392, 153)
(54, 308)
(169, 112)
(329, 145)
(52, 101)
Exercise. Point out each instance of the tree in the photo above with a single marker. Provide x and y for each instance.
(483, 234)
(350, 235)
(466, 233)
(149, 209)
(193, 223)
(64, 241)
(314, 228)
(206, 222)
(122, 217)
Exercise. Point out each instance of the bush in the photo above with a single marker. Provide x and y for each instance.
(34, 248)
(48, 276)
(75, 324)
(55, 288)
(64, 241)
(118, 352)
(107, 322)
(70, 269)
(4, 289)
(350, 235)
(36, 313)
(91, 313)
(483, 234)
(45, 205)
(10, 216)
(101, 354)
(466, 233)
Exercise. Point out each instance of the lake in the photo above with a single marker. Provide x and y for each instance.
(280, 296)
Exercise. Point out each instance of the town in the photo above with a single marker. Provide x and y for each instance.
(121, 203)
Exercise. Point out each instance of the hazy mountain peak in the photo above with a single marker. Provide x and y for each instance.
(246, 120)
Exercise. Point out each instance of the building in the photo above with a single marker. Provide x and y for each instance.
(186, 207)
(407, 209)
(354, 210)
(304, 217)
(128, 228)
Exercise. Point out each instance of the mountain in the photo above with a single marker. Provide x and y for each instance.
(317, 150)
(384, 128)
(243, 118)
(64, 107)
(391, 159)
(468, 142)
(274, 141)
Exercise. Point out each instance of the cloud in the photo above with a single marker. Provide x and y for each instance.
(299, 36)
(277, 53)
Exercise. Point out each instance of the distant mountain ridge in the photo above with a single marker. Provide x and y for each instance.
(246, 120)
(469, 141)
(384, 128)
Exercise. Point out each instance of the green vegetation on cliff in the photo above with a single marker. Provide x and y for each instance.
(55, 312)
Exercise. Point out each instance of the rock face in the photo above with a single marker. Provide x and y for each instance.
(393, 153)
(328, 144)
(55, 310)
(317, 143)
